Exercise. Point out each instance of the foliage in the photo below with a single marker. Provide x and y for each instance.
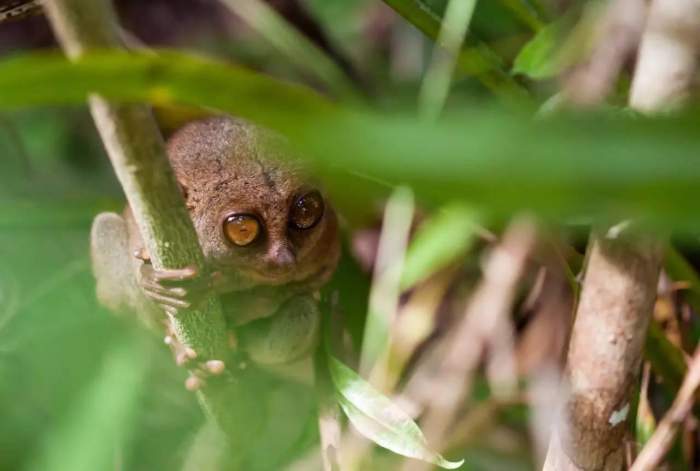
(82, 389)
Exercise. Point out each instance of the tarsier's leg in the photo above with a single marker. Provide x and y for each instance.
(291, 333)
(111, 262)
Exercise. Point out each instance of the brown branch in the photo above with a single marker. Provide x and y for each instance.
(662, 439)
(622, 273)
(605, 351)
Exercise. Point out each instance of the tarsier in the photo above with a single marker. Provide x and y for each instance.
(269, 238)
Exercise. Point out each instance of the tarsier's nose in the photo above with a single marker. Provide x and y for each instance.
(281, 256)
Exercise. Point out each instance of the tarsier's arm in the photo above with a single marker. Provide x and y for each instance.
(114, 266)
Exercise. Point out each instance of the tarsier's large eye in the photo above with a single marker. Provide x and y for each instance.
(241, 229)
(306, 210)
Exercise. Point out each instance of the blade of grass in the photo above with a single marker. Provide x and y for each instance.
(438, 242)
(295, 46)
(530, 13)
(436, 83)
(478, 59)
(384, 295)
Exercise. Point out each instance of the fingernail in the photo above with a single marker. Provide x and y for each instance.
(215, 367)
(190, 354)
(193, 383)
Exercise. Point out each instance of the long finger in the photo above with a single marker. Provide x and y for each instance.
(167, 301)
(176, 292)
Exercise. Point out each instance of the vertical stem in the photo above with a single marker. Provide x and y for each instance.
(620, 286)
(136, 150)
(619, 290)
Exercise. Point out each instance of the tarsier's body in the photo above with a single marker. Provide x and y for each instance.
(269, 240)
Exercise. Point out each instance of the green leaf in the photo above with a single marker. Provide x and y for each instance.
(667, 360)
(438, 242)
(595, 166)
(86, 439)
(645, 423)
(379, 419)
(540, 58)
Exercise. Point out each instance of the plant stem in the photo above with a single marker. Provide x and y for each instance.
(135, 148)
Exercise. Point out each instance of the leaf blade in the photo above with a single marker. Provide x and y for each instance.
(379, 419)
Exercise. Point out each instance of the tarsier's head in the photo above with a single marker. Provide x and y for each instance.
(259, 219)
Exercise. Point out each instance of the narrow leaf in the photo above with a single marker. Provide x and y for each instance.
(438, 242)
(540, 58)
(379, 419)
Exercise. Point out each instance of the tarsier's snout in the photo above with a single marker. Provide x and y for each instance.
(280, 258)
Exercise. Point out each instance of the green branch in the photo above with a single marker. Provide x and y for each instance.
(137, 153)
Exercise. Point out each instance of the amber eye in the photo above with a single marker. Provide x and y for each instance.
(241, 229)
(306, 211)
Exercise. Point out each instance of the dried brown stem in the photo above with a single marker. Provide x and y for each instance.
(622, 273)
(617, 37)
(486, 322)
(662, 439)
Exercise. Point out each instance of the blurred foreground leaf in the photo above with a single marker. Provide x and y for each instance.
(380, 420)
(497, 160)
(90, 435)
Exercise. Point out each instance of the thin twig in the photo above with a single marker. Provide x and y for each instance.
(662, 439)
(617, 37)
(485, 319)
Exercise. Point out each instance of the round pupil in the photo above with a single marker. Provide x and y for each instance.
(307, 210)
(241, 229)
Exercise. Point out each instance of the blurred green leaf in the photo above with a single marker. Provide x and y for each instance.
(438, 77)
(500, 161)
(89, 436)
(528, 11)
(285, 37)
(438, 242)
(16, 213)
(645, 423)
(385, 290)
(380, 420)
(540, 58)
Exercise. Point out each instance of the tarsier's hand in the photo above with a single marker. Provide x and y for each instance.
(173, 289)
